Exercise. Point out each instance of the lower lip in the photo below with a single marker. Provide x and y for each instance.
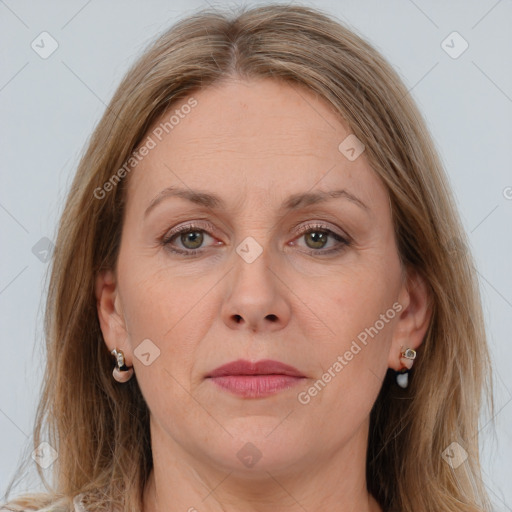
(256, 386)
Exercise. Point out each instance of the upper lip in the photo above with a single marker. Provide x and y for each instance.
(263, 367)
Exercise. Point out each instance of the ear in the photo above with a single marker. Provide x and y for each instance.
(414, 319)
(110, 314)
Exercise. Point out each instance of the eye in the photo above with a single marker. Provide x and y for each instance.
(190, 236)
(317, 237)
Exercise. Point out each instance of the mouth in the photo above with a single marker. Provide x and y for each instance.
(255, 380)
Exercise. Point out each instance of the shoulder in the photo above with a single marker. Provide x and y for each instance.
(78, 503)
(43, 503)
(16, 507)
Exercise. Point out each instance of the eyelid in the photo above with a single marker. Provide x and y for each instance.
(198, 224)
(317, 224)
(208, 226)
(343, 238)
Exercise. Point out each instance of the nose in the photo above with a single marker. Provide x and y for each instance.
(256, 296)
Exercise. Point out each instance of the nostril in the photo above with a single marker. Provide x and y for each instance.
(272, 318)
(238, 319)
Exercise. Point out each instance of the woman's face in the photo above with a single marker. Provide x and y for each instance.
(289, 255)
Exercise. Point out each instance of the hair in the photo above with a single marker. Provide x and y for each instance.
(100, 429)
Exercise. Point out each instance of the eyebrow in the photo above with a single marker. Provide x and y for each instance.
(294, 202)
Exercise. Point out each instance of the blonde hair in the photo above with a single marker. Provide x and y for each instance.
(100, 429)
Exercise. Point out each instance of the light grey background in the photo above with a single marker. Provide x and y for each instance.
(50, 107)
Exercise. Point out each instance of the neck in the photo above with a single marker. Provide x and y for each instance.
(334, 481)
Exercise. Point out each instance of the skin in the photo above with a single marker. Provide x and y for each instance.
(254, 143)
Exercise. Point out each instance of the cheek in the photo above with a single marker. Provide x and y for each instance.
(357, 312)
(350, 369)
(164, 310)
(174, 312)
(352, 300)
(155, 301)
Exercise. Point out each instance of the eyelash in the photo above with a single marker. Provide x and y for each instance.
(310, 228)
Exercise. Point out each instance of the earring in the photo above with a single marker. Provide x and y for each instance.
(407, 359)
(121, 372)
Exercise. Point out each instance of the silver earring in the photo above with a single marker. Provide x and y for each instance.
(121, 372)
(407, 356)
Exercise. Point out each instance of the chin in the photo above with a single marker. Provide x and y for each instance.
(257, 448)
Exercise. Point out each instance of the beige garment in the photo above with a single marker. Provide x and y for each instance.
(77, 502)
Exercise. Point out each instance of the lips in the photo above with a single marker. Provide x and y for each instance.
(255, 380)
(263, 367)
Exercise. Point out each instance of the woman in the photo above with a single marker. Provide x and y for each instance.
(261, 239)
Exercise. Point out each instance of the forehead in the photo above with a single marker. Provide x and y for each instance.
(259, 139)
